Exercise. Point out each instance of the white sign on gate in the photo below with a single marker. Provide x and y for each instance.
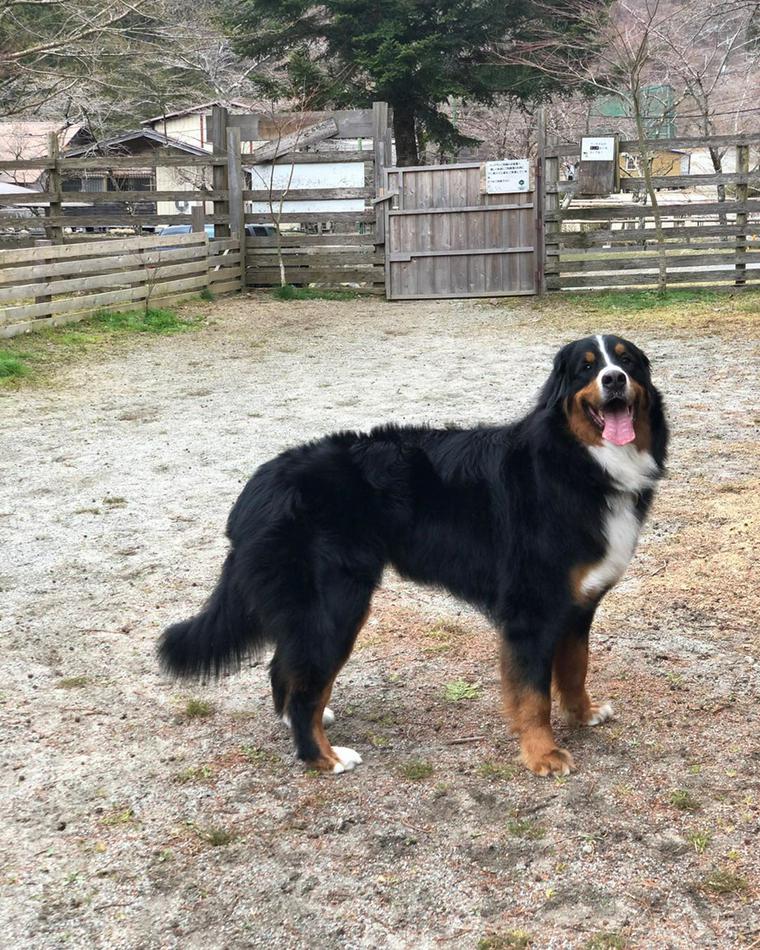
(505, 176)
(598, 148)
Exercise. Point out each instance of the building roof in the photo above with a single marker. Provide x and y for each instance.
(203, 107)
(150, 135)
(8, 188)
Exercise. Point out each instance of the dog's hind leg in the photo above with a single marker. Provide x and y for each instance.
(281, 692)
(309, 663)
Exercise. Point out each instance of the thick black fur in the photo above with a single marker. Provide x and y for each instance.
(496, 515)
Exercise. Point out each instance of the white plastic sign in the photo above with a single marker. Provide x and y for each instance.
(598, 149)
(508, 175)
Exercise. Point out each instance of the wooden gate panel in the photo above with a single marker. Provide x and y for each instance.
(446, 239)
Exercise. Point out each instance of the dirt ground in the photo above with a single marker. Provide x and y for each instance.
(130, 819)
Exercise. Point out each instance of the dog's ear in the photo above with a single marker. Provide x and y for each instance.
(555, 389)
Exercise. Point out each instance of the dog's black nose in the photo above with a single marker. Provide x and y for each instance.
(614, 379)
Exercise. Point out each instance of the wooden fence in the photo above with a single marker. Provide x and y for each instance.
(611, 242)
(329, 234)
(58, 284)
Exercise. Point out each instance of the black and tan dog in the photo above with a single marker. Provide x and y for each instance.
(531, 522)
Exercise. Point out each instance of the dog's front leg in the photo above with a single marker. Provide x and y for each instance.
(526, 670)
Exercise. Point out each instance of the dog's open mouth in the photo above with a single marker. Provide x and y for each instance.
(614, 420)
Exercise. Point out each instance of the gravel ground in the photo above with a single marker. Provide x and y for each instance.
(127, 822)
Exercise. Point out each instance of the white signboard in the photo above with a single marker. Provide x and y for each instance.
(598, 149)
(509, 175)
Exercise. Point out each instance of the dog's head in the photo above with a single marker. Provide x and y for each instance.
(603, 386)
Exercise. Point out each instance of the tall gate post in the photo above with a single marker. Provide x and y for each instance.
(236, 182)
(381, 141)
(539, 200)
(550, 203)
(219, 172)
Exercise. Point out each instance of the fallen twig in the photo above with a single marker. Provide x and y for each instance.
(465, 739)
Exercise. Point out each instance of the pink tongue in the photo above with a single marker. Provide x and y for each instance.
(618, 427)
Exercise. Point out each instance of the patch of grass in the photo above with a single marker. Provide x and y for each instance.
(675, 681)
(289, 292)
(721, 881)
(416, 770)
(510, 940)
(119, 816)
(141, 321)
(207, 294)
(216, 837)
(636, 300)
(73, 682)
(198, 709)
(459, 690)
(376, 741)
(525, 828)
(28, 359)
(258, 756)
(683, 800)
(442, 637)
(497, 770)
(196, 773)
(699, 839)
(605, 940)
(12, 365)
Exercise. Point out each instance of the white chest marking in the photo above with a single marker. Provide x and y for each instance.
(631, 472)
(630, 469)
(621, 529)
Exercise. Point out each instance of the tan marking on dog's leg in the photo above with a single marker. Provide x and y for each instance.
(529, 714)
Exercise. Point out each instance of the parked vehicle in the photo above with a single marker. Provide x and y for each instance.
(252, 230)
(260, 230)
(170, 229)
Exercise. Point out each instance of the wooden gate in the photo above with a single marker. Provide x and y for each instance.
(443, 238)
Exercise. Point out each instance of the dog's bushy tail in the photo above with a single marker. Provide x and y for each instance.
(217, 639)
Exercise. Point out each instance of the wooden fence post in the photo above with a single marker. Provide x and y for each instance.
(219, 173)
(742, 191)
(236, 182)
(43, 298)
(54, 210)
(198, 218)
(550, 251)
(380, 142)
(539, 201)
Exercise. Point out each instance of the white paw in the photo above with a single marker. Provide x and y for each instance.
(285, 718)
(348, 759)
(602, 714)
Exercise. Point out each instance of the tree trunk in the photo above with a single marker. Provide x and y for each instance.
(662, 263)
(405, 133)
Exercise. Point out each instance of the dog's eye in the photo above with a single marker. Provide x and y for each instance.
(626, 360)
(588, 365)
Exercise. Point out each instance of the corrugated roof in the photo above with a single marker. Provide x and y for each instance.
(150, 134)
(203, 107)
